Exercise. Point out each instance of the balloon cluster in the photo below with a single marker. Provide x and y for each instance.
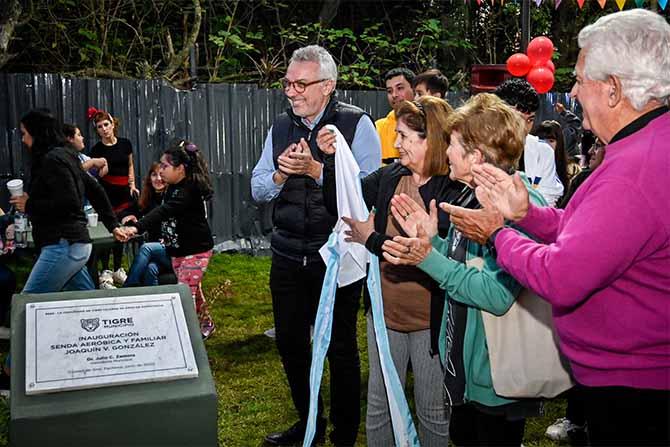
(536, 64)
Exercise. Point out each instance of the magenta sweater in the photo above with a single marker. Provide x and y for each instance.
(605, 264)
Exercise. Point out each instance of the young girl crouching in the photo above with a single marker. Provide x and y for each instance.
(182, 220)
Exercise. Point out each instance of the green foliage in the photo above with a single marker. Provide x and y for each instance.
(251, 40)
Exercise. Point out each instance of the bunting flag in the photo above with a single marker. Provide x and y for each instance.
(558, 2)
(580, 3)
(639, 3)
(538, 3)
(662, 4)
(602, 3)
(620, 4)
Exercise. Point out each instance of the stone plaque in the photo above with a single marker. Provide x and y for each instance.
(89, 343)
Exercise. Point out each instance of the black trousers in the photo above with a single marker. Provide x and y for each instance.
(471, 427)
(296, 289)
(623, 416)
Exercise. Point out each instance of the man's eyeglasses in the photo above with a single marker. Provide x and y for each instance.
(299, 86)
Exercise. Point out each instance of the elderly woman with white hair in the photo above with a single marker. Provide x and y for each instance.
(604, 262)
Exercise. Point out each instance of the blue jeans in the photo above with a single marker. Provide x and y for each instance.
(150, 261)
(61, 266)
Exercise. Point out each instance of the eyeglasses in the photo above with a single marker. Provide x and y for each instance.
(299, 86)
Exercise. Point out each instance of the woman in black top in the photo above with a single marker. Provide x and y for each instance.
(54, 203)
(119, 182)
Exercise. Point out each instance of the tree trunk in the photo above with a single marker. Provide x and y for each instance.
(10, 17)
(178, 59)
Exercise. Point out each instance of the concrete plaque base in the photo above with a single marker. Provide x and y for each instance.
(180, 412)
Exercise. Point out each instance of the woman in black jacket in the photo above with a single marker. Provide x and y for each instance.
(54, 203)
(412, 320)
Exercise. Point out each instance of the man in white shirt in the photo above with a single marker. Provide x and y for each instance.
(538, 160)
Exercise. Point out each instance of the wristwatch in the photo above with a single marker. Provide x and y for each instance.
(491, 242)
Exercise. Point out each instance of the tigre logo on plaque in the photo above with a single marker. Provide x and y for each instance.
(90, 324)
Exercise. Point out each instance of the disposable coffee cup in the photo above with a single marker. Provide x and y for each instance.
(15, 187)
(92, 219)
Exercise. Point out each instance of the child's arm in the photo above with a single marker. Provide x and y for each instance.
(175, 205)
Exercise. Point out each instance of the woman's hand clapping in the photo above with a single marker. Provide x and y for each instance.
(410, 215)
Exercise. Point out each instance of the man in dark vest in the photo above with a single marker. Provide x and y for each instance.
(290, 171)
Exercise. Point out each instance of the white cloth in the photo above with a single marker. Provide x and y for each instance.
(540, 167)
(353, 256)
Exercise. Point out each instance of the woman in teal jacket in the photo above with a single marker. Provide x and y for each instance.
(485, 129)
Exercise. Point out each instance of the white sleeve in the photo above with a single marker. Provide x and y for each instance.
(540, 166)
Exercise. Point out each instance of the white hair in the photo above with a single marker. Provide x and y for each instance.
(318, 54)
(634, 46)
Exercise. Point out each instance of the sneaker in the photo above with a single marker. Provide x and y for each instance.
(4, 333)
(106, 280)
(558, 431)
(271, 333)
(119, 277)
(207, 328)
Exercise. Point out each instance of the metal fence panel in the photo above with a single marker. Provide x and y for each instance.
(229, 122)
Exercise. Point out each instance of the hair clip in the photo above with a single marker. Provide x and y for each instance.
(92, 111)
(191, 147)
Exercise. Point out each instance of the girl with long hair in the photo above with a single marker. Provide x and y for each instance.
(182, 219)
(152, 259)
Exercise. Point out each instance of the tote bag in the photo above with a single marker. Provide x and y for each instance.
(523, 349)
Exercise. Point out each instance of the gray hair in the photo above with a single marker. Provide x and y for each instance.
(318, 54)
(634, 46)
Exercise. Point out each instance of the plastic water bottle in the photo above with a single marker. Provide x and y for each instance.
(20, 230)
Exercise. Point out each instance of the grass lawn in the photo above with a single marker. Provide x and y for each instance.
(254, 398)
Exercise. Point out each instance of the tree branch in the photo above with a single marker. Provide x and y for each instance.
(178, 59)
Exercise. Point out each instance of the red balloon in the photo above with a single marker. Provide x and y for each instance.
(550, 65)
(541, 78)
(540, 50)
(518, 64)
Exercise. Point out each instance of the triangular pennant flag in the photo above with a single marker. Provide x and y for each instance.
(538, 3)
(639, 3)
(580, 3)
(558, 2)
(620, 4)
(662, 4)
(479, 2)
(602, 3)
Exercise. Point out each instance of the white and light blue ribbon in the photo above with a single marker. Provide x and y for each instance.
(401, 418)
(334, 253)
